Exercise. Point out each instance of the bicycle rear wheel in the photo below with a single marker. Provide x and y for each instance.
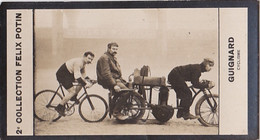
(44, 105)
(93, 108)
(207, 109)
(134, 108)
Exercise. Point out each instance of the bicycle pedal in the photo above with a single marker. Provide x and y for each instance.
(62, 115)
(60, 112)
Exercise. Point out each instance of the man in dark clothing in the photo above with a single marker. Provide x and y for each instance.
(178, 77)
(110, 77)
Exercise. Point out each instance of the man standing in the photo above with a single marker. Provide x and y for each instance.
(71, 71)
(110, 77)
(177, 78)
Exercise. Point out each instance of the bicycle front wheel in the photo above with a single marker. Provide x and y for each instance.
(93, 108)
(44, 105)
(207, 109)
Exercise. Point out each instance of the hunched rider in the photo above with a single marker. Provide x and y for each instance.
(192, 72)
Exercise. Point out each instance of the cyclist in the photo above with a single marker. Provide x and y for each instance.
(71, 71)
(110, 77)
(192, 73)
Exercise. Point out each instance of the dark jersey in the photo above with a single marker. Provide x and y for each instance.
(191, 72)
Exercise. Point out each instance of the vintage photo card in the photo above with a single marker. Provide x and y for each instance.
(131, 68)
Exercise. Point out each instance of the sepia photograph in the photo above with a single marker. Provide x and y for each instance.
(152, 71)
(138, 70)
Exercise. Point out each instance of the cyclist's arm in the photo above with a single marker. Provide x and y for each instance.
(84, 74)
(195, 81)
(77, 74)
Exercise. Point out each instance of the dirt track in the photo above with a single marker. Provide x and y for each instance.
(74, 125)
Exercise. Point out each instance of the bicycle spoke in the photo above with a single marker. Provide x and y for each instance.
(207, 108)
(42, 104)
(205, 111)
(212, 119)
(215, 120)
(97, 113)
(46, 99)
(44, 108)
(217, 114)
(41, 107)
(205, 105)
(205, 114)
(207, 117)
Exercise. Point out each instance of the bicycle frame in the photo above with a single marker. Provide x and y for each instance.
(204, 92)
(177, 101)
(63, 94)
(196, 93)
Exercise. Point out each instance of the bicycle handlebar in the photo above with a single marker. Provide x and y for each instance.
(92, 82)
(201, 88)
(124, 90)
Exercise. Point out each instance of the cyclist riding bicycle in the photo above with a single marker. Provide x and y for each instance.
(110, 77)
(178, 77)
(71, 71)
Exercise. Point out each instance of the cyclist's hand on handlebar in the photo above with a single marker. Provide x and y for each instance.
(93, 81)
(117, 88)
(204, 81)
(211, 85)
(90, 83)
(87, 78)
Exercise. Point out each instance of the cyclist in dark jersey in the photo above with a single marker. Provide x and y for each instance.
(178, 77)
(74, 70)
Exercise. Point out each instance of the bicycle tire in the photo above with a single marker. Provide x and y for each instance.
(139, 109)
(212, 114)
(41, 111)
(100, 108)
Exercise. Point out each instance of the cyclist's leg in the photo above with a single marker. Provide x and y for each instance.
(123, 97)
(74, 98)
(60, 108)
(65, 78)
(121, 84)
(78, 88)
(67, 83)
(186, 98)
(179, 93)
(72, 92)
(182, 92)
(185, 95)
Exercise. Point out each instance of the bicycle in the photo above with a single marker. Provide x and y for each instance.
(92, 107)
(206, 107)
